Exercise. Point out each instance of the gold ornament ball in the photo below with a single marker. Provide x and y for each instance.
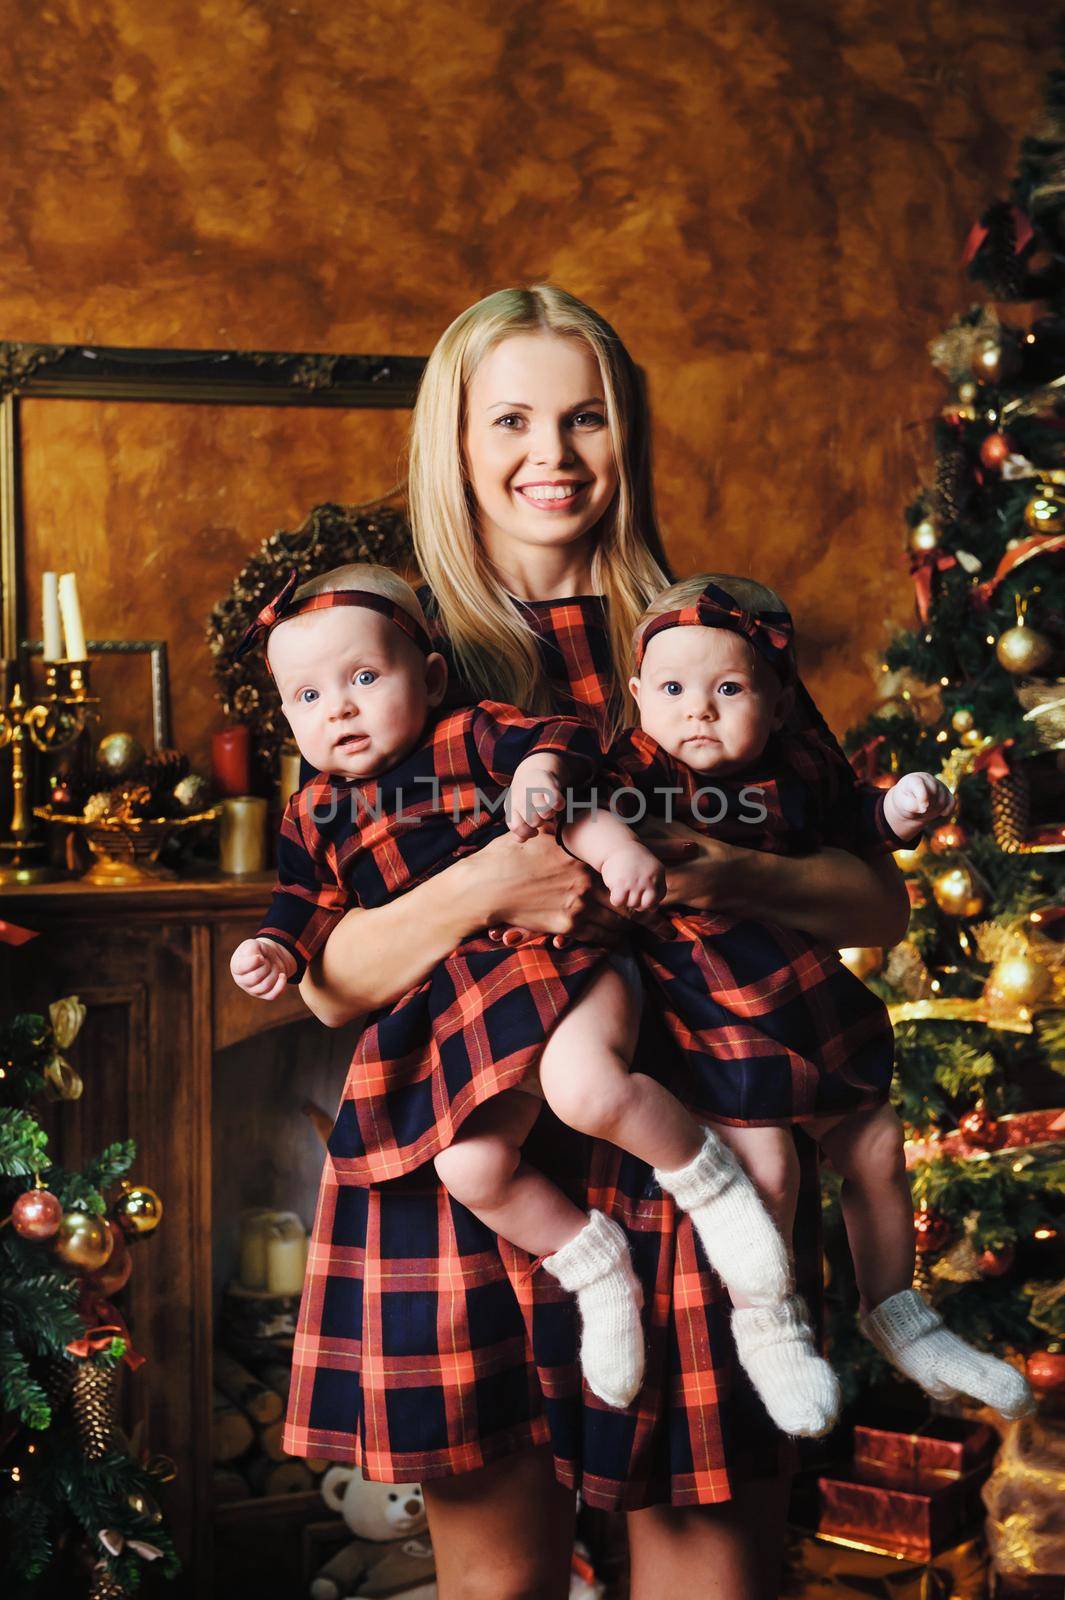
(1023, 650)
(992, 359)
(972, 738)
(962, 720)
(909, 857)
(924, 536)
(967, 392)
(957, 894)
(138, 1210)
(1019, 980)
(82, 1241)
(119, 754)
(862, 960)
(1045, 511)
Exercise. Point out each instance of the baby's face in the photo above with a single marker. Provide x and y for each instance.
(708, 698)
(355, 690)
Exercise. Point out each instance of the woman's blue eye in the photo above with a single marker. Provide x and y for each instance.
(365, 677)
(673, 688)
(307, 697)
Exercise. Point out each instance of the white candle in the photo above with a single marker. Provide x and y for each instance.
(53, 641)
(286, 1256)
(72, 628)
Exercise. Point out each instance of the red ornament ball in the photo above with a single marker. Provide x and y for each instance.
(995, 1263)
(947, 838)
(933, 1232)
(1046, 1371)
(979, 1127)
(36, 1214)
(995, 449)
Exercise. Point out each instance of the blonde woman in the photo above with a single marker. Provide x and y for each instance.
(427, 1348)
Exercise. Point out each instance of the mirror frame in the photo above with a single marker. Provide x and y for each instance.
(196, 377)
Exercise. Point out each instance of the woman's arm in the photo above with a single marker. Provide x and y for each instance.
(372, 957)
(841, 898)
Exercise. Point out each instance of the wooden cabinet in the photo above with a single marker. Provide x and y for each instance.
(152, 966)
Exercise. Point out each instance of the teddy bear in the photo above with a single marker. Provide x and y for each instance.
(389, 1554)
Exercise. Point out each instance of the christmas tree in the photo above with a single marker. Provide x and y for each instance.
(974, 692)
(77, 1511)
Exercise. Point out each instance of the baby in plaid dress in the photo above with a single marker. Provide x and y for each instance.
(774, 1029)
(453, 1073)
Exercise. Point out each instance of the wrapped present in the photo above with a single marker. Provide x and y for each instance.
(917, 1513)
(1025, 1500)
(829, 1569)
(949, 1445)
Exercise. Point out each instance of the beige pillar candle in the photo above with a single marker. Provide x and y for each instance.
(253, 1224)
(242, 834)
(53, 637)
(71, 612)
(289, 771)
(286, 1254)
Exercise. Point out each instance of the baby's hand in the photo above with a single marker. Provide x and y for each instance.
(916, 799)
(636, 878)
(535, 795)
(262, 967)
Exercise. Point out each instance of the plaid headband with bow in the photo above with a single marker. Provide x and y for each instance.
(282, 606)
(770, 632)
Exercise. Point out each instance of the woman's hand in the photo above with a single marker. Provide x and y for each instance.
(533, 886)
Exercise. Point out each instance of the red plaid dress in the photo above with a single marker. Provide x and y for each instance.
(478, 1024)
(773, 1027)
(427, 1347)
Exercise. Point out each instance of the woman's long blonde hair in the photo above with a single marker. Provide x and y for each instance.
(495, 648)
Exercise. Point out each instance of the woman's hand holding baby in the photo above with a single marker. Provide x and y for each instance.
(916, 799)
(262, 967)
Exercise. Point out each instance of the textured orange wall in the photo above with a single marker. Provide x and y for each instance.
(768, 198)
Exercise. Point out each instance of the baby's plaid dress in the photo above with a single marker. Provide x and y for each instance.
(426, 1346)
(478, 1023)
(773, 1027)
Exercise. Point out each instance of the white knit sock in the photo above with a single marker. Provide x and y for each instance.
(595, 1266)
(740, 1238)
(775, 1346)
(910, 1335)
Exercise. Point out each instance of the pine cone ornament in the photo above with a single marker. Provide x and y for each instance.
(57, 1379)
(953, 484)
(996, 263)
(1010, 809)
(923, 1280)
(105, 1586)
(94, 1408)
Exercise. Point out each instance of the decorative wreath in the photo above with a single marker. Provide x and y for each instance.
(330, 536)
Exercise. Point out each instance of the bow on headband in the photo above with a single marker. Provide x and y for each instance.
(283, 606)
(770, 632)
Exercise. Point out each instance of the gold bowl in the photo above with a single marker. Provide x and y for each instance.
(125, 851)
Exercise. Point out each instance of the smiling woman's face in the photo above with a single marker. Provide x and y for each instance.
(538, 448)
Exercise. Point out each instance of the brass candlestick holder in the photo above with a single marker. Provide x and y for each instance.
(51, 723)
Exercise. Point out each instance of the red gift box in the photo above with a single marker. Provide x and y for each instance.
(914, 1494)
(944, 1444)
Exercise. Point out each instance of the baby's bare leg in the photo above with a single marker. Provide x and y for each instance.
(587, 1081)
(485, 1172)
(866, 1150)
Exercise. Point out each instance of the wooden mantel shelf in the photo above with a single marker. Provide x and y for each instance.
(208, 897)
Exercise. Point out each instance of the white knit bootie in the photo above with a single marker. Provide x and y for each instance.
(595, 1266)
(741, 1240)
(775, 1346)
(910, 1335)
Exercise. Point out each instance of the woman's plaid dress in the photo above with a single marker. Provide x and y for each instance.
(773, 1027)
(427, 1347)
